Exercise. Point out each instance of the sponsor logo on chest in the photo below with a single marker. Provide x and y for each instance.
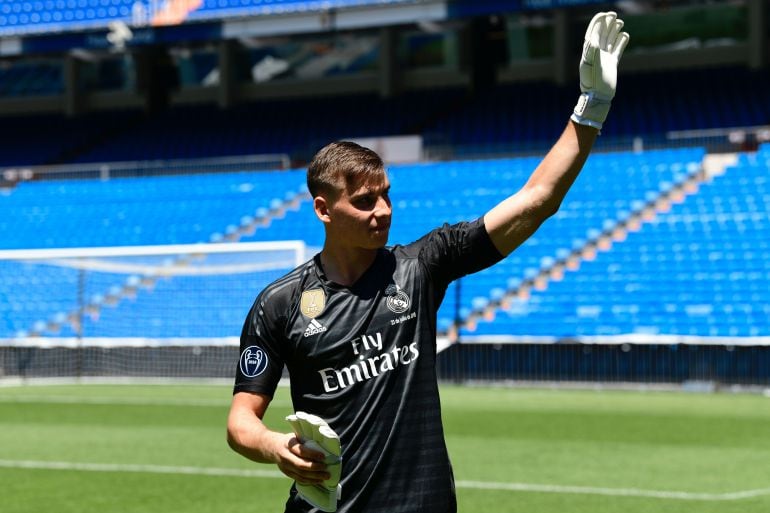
(314, 328)
(372, 360)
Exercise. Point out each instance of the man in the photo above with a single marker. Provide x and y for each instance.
(356, 325)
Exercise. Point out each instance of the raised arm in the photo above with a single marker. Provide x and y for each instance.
(516, 218)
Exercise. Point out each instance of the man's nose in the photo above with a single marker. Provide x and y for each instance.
(383, 206)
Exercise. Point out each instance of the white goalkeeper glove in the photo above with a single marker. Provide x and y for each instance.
(603, 46)
(315, 433)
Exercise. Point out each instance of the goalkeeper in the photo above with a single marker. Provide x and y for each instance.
(356, 325)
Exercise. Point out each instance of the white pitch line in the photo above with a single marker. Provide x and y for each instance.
(147, 469)
(615, 492)
(107, 401)
(479, 485)
(111, 401)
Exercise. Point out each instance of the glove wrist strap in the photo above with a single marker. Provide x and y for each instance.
(590, 110)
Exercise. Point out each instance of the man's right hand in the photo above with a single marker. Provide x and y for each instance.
(316, 435)
(300, 462)
(248, 436)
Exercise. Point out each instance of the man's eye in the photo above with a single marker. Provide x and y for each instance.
(366, 200)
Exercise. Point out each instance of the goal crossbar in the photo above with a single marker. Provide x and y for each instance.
(297, 246)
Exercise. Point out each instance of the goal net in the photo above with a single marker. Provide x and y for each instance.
(142, 311)
(176, 312)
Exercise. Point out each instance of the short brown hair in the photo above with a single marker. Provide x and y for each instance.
(341, 163)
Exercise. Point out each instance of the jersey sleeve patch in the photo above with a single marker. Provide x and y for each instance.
(253, 361)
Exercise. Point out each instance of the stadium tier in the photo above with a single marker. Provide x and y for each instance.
(521, 114)
(31, 79)
(610, 187)
(125, 211)
(297, 127)
(53, 139)
(213, 9)
(37, 16)
(504, 119)
(635, 287)
(25, 16)
(698, 270)
(120, 212)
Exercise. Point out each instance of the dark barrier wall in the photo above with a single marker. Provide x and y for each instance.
(606, 363)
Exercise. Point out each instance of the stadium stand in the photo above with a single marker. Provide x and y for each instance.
(143, 211)
(521, 115)
(647, 246)
(45, 139)
(124, 211)
(297, 127)
(235, 8)
(694, 270)
(215, 204)
(23, 16)
(602, 193)
(508, 118)
(155, 211)
(37, 16)
(31, 79)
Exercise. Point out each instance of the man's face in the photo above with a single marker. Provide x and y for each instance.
(360, 217)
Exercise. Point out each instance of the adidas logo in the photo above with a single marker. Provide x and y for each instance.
(314, 328)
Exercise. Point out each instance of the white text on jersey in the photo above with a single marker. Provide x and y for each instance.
(368, 368)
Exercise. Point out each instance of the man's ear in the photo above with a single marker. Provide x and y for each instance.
(321, 207)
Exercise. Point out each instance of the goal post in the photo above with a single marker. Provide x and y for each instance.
(171, 311)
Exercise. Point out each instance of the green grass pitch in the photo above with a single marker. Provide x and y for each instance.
(161, 448)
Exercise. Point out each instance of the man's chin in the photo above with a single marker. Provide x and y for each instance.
(379, 237)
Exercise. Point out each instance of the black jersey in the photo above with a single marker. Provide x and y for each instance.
(363, 359)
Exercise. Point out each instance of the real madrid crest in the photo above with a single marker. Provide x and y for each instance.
(312, 303)
(397, 300)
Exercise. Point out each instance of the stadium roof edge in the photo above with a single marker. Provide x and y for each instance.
(311, 17)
